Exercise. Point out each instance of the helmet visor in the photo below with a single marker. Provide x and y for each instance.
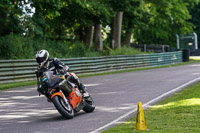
(42, 59)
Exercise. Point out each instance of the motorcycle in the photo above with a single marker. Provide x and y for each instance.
(65, 95)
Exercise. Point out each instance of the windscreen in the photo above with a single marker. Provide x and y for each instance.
(49, 79)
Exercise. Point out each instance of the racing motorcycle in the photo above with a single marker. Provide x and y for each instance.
(65, 95)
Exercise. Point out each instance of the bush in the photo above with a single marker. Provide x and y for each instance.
(15, 47)
(20, 47)
(77, 50)
(126, 51)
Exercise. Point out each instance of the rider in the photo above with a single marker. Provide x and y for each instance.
(55, 65)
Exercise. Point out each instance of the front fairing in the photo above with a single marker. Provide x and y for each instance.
(50, 80)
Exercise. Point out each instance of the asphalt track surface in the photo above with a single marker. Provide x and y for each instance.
(116, 97)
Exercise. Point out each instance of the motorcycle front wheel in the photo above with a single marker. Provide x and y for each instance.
(90, 106)
(65, 109)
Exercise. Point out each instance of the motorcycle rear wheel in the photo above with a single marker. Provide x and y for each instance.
(64, 109)
(90, 106)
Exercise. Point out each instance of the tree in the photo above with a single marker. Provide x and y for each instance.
(116, 26)
(195, 11)
(133, 17)
(168, 19)
(93, 13)
(129, 10)
(74, 18)
(43, 19)
(98, 42)
(10, 13)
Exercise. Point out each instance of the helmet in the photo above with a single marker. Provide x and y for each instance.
(42, 57)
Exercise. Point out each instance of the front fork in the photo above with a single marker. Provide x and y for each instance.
(64, 98)
(61, 94)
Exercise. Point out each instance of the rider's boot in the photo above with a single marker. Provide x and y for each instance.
(83, 89)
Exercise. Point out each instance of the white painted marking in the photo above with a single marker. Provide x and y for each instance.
(195, 73)
(110, 93)
(195, 65)
(87, 85)
(146, 105)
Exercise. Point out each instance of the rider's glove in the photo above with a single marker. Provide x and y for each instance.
(42, 90)
(64, 70)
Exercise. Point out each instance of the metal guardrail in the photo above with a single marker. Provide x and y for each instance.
(23, 70)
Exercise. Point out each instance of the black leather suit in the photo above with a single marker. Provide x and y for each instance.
(57, 66)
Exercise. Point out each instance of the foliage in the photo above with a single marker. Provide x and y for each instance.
(10, 13)
(168, 18)
(56, 19)
(21, 47)
(138, 13)
(195, 11)
(53, 22)
(15, 47)
(125, 51)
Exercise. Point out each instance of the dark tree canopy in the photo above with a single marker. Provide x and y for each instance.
(144, 21)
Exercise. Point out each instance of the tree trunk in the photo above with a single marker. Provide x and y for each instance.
(116, 33)
(113, 33)
(98, 41)
(92, 36)
(88, 36)
(3, 30)
(128, 34)
(81, 34)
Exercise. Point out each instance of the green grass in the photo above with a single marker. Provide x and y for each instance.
(16, 84)
(27, 83)
(176, 114)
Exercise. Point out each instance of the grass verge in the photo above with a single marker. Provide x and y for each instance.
(16, 84)
(176, 114)
(27, 83)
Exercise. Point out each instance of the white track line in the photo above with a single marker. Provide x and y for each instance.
(147, 104)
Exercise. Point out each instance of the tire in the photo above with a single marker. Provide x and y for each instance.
(65, 110)
(90, 106)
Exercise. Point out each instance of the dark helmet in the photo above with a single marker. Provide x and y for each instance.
(42, 57)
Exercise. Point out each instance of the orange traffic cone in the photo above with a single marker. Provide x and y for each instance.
(140, 121)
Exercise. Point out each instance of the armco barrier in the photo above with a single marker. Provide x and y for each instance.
(22, 70)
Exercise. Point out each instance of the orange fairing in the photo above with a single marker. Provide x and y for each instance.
(75, 97)
(57, 93)
(74, 75)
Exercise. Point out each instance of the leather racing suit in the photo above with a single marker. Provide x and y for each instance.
(57, 66)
